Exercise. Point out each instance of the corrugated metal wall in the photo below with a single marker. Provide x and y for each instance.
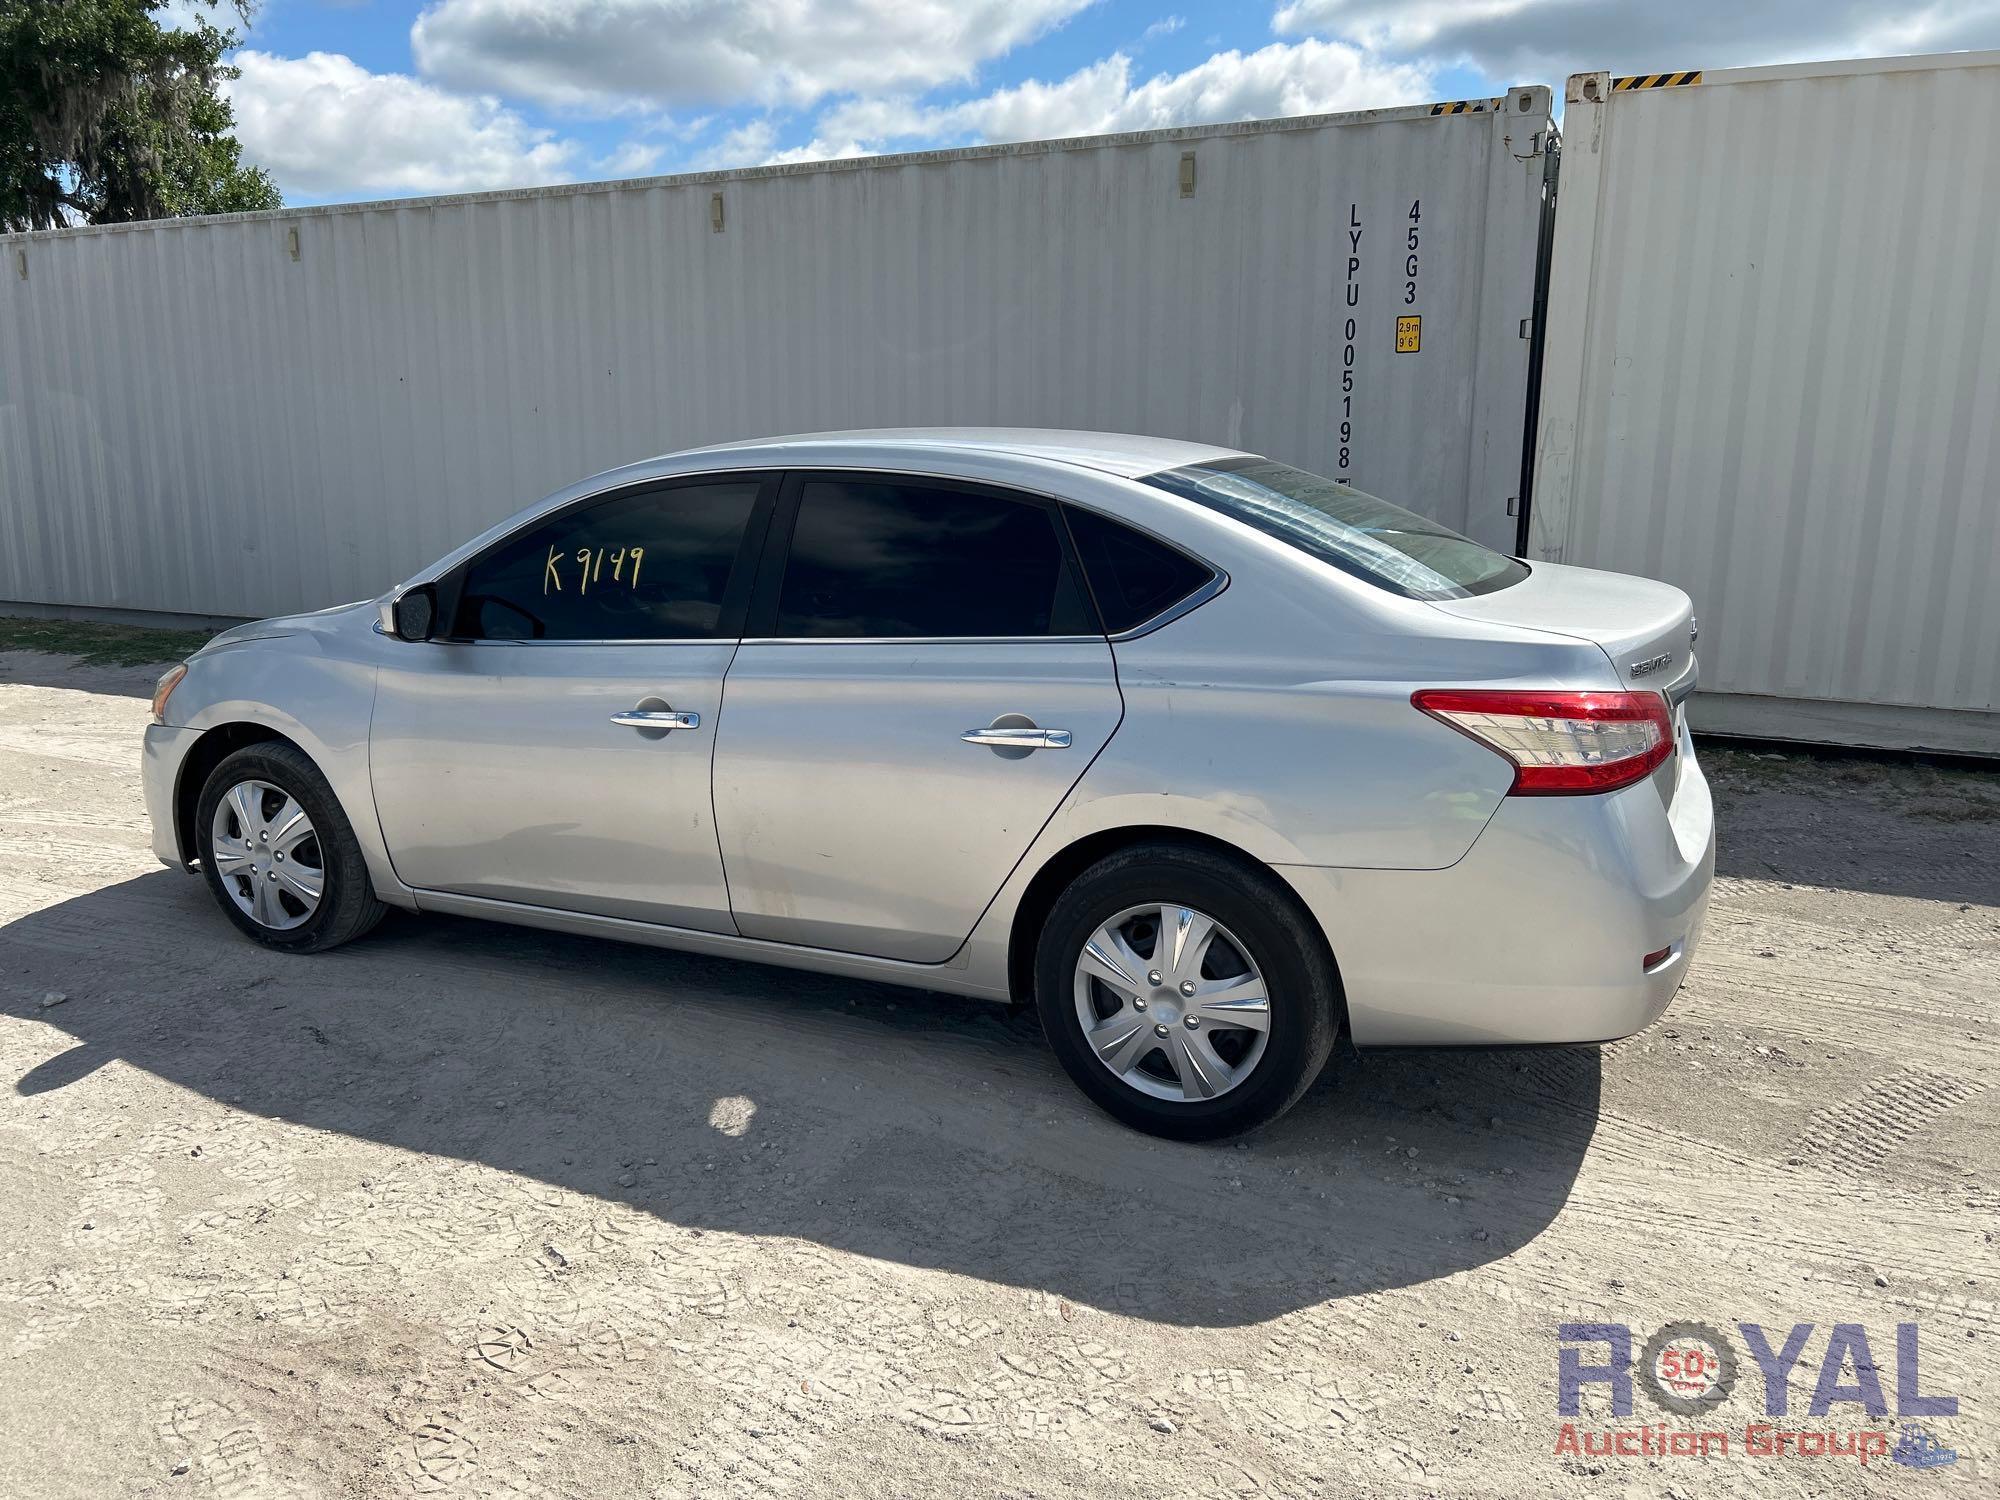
(213, 417)
(1773, 378)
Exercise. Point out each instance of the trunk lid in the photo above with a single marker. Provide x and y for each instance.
(1644, 627)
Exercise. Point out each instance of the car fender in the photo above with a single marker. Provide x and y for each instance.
(320, 700)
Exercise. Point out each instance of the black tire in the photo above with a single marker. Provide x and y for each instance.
(347, 907)
(1280, 939)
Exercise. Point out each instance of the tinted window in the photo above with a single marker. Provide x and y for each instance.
(884, 559)
(647, 566)
(1359, 534)
(1132, 577)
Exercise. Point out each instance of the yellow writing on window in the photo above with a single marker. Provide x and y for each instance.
(587, 565)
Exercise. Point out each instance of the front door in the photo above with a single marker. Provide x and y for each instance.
(921, 684)
(554, 748)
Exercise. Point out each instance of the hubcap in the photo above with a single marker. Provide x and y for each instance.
(267, 852)
(1172, 1003)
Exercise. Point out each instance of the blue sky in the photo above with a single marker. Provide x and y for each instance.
(353, 99)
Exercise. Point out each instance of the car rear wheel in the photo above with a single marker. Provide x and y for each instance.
(279, 855)
(1187, 993)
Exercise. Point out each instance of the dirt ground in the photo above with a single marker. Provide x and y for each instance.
(476, 1211)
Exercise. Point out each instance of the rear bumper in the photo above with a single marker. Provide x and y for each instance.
(159, 772)
(1538, 933)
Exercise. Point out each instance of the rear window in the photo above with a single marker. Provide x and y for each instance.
(1393, 548)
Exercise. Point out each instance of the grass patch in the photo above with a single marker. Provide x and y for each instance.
(1911, 788)
(100, 645)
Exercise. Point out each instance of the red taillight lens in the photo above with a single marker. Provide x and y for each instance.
(1561, 744)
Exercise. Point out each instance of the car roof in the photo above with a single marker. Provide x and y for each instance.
(1122, 453)
(975, 452)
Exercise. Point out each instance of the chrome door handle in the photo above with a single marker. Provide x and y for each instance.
(657, 718)
(1019, 739)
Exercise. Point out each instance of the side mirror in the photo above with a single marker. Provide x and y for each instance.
(416, 613)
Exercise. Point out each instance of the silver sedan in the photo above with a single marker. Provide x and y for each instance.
(1209, 757)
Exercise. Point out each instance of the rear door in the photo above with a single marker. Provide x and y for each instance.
(921, 682)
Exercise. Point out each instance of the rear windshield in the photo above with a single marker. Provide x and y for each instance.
(1336, 523)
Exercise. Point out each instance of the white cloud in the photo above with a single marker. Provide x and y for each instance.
(1403, 27)
(819, 150)
(186, 15)
(632, 159)
(1306, 77)
(748, 142)
(1165, 26)
(325, 125)
(606, 54)
(1525, 41)
(754, 143)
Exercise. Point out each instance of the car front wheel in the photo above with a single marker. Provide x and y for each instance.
(278, 853)
(1187, 993)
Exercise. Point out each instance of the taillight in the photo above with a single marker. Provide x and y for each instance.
(1561, 743)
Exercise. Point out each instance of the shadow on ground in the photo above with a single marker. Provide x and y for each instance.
(912, 1128)
(1854, 823)
(49, 669)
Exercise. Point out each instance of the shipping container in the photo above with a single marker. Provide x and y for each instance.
(270, 412)
(1772, 377)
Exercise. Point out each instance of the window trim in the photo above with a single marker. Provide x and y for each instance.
(760, 627)
(736, 592)
(1218, 578)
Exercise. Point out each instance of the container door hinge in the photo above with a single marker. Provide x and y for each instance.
(1513, 505)
(1527, 328)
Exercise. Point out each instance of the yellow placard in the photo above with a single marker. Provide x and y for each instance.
(1409, 333)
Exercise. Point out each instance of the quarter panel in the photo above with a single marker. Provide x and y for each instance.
(1291, 714)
